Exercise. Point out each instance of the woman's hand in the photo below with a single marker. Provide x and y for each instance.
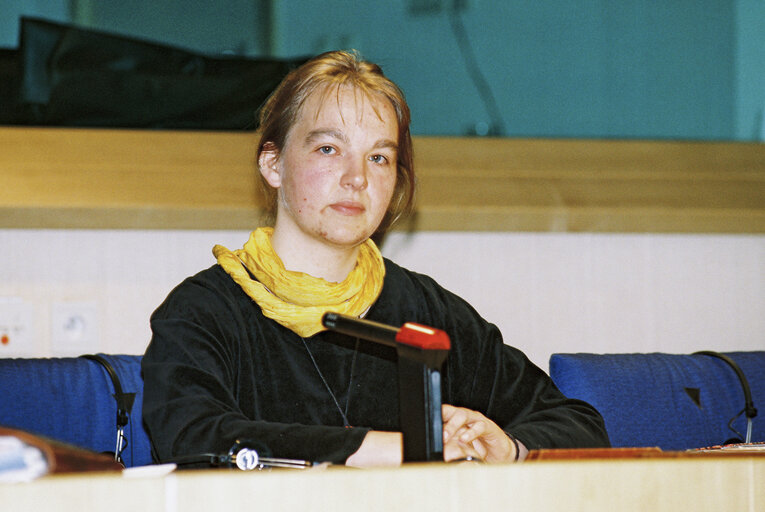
(469, 433)
(378, 449)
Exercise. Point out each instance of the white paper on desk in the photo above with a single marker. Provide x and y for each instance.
(149, 471)
(20, 462)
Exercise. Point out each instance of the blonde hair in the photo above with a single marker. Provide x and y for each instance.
(338, 68)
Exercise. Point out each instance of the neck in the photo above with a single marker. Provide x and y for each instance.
(314, 257)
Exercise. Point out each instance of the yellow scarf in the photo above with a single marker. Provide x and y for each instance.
(297, 300)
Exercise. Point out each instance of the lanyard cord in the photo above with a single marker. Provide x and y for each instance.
(343, 413)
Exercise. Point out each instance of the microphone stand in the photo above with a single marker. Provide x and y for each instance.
(421, 352)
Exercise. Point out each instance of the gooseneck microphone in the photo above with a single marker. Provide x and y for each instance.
(410, 334)
(421, 351)
(365, 329)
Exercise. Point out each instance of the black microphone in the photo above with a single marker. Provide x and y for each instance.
(421, 352)
(358, 328)
(410, 335)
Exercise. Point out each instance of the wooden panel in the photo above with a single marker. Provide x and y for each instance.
(91, 178)
(576, 185)
(657, 485)
(126, 179)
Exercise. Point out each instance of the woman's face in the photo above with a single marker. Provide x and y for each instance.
(337, 171)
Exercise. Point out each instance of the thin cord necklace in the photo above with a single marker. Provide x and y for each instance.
(343, 413)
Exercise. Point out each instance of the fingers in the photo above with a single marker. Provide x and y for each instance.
(474, 431)
(454, 450)
(480, 448)
(470, 433)
(463, 423)
(454, 419)
(462, 429)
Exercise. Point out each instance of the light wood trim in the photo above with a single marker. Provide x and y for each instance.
(98, 178)
(673, 485)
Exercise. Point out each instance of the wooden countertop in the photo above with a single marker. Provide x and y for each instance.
(143, 179)
(658, 485)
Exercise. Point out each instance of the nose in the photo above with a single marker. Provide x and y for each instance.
(354, 175)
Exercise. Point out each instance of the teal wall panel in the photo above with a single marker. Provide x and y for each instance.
(677, 69)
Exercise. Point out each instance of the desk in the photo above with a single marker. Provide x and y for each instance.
(716, 483)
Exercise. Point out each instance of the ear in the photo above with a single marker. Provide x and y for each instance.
(268, 164)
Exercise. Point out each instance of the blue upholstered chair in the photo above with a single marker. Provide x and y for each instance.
(73, 400)
(672, 401)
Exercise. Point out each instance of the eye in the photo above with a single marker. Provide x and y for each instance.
(326, 150)
(379, 159)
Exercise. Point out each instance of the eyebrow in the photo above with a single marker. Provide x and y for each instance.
(385, 143)
(337, 134)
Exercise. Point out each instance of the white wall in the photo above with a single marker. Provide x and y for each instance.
(548, 292)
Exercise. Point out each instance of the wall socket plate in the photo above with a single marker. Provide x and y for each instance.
(74, 328)
(17, 333)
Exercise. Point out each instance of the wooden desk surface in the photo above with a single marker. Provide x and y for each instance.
(673, 485)
(99, 178)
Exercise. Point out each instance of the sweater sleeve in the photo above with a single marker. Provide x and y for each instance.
(524, 402)
(197, 399)
(486, 375)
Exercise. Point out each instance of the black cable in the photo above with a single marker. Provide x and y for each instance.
(474, 72)
(124, 404)
(740, 437)
(750, 411)
(243, 455)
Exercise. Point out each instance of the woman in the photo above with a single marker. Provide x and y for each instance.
(238, 351)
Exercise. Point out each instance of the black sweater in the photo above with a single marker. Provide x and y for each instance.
(217, 370)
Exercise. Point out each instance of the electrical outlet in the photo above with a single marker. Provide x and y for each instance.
(74, 328)
(16, 328)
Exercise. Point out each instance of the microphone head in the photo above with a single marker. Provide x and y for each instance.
(329, 320)
(424, 337)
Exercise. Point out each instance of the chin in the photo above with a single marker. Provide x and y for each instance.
(346, 239)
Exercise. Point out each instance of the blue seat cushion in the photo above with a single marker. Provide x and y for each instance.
(673, 401)
(72, 400)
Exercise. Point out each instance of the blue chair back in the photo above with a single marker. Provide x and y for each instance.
(673, 401)
(71, 399)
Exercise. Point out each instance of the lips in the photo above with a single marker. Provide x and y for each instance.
(348, 207)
